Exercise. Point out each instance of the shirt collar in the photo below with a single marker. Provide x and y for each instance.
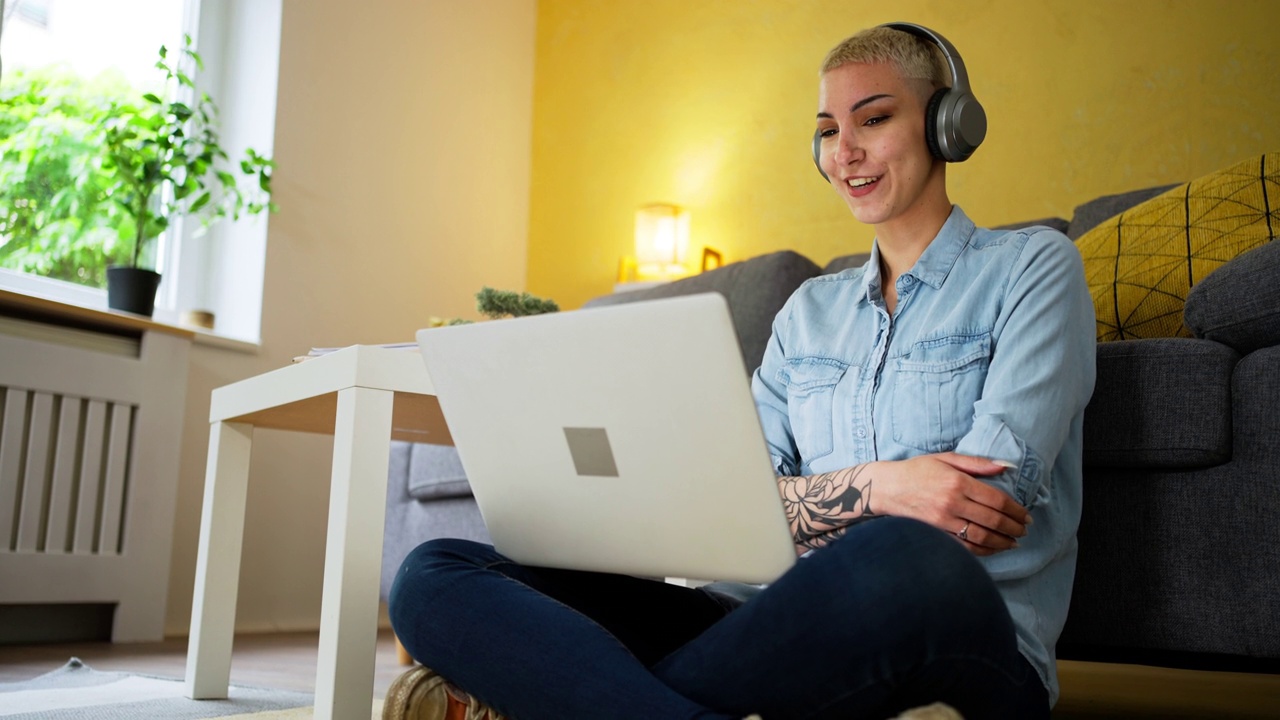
(935, 263)
(871, 276)
(937, 260)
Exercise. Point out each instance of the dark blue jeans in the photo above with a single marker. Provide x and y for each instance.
(894, 615)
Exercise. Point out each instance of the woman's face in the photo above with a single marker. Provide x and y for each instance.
(871, 120)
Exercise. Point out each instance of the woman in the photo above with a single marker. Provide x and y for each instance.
(924, 415)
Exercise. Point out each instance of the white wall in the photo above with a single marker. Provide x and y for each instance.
(403, 148)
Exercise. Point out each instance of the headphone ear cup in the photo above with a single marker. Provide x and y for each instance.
(817, 154)
(932, 118)
(966, 126)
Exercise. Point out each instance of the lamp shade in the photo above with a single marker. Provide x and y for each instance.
(662, 238)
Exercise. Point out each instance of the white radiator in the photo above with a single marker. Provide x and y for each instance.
(90, 428)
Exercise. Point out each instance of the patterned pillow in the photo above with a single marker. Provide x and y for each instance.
(1141, 264)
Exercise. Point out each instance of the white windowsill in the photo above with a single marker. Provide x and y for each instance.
(70, 303)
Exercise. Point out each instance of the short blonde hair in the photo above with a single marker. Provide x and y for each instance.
(915, 57)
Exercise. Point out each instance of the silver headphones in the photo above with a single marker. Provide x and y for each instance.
(954, 122)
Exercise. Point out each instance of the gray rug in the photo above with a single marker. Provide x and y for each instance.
(77, 691)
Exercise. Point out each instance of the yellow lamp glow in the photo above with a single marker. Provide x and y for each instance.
(662, 241)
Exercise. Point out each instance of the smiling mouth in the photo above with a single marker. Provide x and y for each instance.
(862, 182)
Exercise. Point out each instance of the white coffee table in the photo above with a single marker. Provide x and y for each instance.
(364, 396)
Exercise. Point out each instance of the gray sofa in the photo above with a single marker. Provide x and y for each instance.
(1179, 560)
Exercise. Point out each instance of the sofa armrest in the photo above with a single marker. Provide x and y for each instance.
(1161, 403)
(411, 521)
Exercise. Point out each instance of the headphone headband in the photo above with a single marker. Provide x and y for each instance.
(959, 76)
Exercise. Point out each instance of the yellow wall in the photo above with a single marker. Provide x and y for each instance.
(709, 104)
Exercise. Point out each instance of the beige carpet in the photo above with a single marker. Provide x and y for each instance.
(296, 714)
(77, 692)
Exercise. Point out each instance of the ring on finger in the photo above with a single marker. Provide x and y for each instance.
(964, 531)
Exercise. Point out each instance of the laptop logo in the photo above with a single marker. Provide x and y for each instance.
(592, 455)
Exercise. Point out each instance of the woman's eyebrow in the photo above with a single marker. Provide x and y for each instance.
(857, 105)
(867, 100)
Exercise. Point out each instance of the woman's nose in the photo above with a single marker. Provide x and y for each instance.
(848, 149)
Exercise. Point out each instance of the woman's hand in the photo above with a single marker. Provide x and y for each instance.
(943, 491)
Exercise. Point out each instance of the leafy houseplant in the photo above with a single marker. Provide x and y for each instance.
(164, 158)
(498, 304)
(495, 304)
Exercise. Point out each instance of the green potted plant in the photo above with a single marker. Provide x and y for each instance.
(165, 159)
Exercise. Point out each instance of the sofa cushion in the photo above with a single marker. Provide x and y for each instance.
(1239, 303)
(1091, 214)
(855, 260)
(1053, 223)
(1160, 404)
(844, 262)
(756, 290)
(435, 472)
(1141, 264)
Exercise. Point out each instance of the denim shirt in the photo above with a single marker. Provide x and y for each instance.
(990, 352)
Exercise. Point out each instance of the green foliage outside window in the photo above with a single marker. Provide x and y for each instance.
(56, 217)
(92, 172)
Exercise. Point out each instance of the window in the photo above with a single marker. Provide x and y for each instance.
(65, 61)
(83, 53)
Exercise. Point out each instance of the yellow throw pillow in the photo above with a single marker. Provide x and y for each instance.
(1141, 264)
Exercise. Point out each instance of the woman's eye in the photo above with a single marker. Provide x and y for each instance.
(829, 132)
(876, 120)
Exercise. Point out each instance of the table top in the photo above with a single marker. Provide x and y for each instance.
(304, 396)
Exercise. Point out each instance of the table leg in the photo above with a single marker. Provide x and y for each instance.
(353, 554)
(213, 609)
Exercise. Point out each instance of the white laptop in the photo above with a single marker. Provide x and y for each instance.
(619, 439)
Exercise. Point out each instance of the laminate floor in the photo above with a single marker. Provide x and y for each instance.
(1112, 690)
(284, 661)
(1090, 691)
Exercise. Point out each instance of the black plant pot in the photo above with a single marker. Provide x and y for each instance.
(132, 289)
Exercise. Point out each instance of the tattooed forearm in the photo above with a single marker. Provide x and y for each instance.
(824, 539)
(819, 507)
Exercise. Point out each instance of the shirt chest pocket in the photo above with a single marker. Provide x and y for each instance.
(938, 381)
(811, 388)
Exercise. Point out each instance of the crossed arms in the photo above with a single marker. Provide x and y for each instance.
(940, 489)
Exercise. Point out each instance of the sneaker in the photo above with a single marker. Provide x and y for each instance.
(421, 694)
(936, 711)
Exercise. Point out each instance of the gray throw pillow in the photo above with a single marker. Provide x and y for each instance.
(1238, 304)
(435, 473)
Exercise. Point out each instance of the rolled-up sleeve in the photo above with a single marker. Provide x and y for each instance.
(1042, 368)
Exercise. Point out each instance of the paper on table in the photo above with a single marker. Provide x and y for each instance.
(317, 352)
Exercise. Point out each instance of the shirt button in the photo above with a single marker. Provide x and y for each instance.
(907, 280)
(862, 433)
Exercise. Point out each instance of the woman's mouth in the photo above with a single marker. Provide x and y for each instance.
(859, 186)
